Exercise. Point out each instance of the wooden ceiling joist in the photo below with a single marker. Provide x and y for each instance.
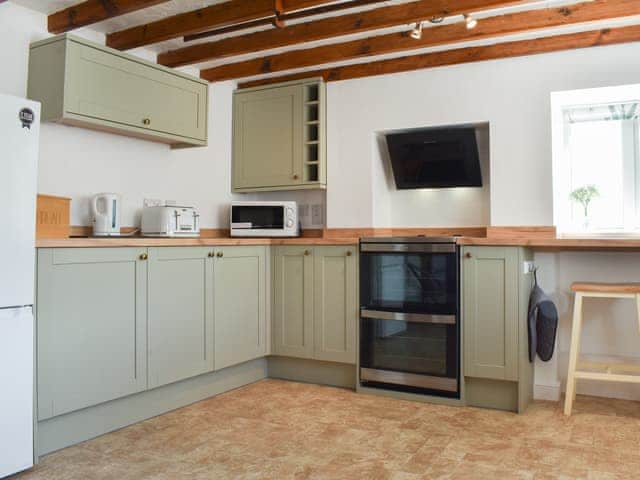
(556, 43)
(435, 36)
(93, 11)
(378, 18)
(215, 16)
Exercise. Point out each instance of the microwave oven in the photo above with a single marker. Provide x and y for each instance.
(264, 219)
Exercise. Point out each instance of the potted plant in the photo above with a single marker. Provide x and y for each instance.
(584, 195)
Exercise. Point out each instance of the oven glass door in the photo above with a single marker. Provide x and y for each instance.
(420, 282)
(416, 355)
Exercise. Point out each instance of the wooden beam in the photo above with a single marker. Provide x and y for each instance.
(223, 14)
(377, 18)
(556, 43)
(93, 11)
(435, 36)
(334, 7)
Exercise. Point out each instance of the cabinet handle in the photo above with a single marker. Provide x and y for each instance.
(295, 177)
(210, 255)
(143, 256)
(468, 255)
(146, 121)
(348, 253)
(219, 254)
(307, 253)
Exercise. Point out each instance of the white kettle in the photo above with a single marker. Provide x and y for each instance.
(105, 208)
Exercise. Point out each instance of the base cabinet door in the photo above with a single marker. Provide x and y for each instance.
(91, 327)
(180, 313)
(490, 312)
(335, 304)
(240, 287)
(292, 316)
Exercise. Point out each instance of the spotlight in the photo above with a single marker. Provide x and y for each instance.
(470, 21)
(416, 33)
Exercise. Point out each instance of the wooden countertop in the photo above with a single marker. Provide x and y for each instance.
(540, 238)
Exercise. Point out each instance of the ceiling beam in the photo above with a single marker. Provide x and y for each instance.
(377, 18)
(93, 11)
(334, 7)
(556, 43)
(435, 36)
(215, 16)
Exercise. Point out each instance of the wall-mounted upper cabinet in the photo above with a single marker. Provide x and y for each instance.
(89, 85)
(279, 137)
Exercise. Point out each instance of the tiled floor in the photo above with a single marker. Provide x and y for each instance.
(281, 430)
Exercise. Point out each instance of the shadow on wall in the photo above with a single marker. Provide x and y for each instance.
(437, 207)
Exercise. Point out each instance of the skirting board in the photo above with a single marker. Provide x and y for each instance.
(66, 430)
(312, 371)
(546, 392)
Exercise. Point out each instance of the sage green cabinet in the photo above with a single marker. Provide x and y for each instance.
(86, 84)
(240, 305)
(293, 292)
(315, 303)
(91, 327)
(495, 293)
(180, 312)
(335, 304)
(279, 137)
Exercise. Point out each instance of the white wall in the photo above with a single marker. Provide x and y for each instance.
(78, 163)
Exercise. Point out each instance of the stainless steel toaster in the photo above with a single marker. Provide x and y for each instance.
(170, 221)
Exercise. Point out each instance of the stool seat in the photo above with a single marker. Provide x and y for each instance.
(593, 287)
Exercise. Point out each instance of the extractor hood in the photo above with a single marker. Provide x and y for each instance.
(441, 157)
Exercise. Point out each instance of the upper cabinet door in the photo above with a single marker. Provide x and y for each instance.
(92, 327)
(240, 305)
(180, 314)
(268, 137)
(293, 302)
(90, 85)
(490, 312)
(335, 304)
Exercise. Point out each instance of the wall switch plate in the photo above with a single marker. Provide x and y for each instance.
(528, 267)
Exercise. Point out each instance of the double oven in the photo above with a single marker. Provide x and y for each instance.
(410, 315)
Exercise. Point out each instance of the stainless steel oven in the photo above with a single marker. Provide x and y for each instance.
(409, 314)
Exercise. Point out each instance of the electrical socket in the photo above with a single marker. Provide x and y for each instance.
(528, 267)
(303, 210)
(152, 202)
(316, 214)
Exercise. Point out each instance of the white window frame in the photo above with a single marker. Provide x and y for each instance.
(561, 167)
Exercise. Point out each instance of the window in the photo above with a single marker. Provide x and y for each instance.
(596, 160)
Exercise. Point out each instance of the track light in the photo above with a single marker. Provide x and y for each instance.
(416, 33)
(470, 21)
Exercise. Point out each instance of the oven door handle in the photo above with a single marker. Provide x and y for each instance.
(408, 247)
(408, 317)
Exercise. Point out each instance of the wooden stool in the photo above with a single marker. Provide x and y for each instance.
(604, 371)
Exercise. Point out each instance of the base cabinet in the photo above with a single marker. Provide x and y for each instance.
(180, 310)
(91, 327)
(315, 303)
(240, 305)
(495, 294)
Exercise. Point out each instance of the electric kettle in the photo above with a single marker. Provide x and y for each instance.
(105, 208)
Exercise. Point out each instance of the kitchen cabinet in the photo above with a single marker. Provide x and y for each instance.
(181, 313)
(495, 293)
(293, 302)
(81, 83)
(240, 304)
(315, 303)
(91, 327)
(279, 137)
(335, 304)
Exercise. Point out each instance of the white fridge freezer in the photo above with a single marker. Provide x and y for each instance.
(19, 138)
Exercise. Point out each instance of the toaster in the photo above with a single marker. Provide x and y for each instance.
(170, 221)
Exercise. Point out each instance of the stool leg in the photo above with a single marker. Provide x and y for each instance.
(576, 328)
(638, 307)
